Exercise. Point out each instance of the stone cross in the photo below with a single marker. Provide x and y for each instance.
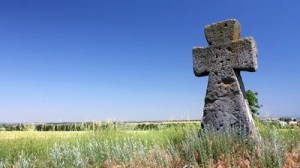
(226, 105)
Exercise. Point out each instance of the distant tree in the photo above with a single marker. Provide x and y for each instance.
(253, 102)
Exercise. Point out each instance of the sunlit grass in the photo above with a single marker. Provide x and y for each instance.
(172, 146)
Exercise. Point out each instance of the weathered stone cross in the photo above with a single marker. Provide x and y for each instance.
(225, 103)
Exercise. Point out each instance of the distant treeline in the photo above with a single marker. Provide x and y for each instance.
(56, 126)
(89, 126)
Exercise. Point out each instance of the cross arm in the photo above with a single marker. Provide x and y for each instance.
(244, 53)
(201, 61)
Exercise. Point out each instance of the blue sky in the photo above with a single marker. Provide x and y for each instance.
(94, 60)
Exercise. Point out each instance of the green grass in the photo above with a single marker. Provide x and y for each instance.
(175, 145)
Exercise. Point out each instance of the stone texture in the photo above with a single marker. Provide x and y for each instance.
(226, 105)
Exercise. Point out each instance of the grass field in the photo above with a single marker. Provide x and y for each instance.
(177, 145)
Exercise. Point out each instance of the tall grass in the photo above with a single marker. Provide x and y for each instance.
(170, 146)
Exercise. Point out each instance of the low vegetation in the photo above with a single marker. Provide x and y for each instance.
(147, 145)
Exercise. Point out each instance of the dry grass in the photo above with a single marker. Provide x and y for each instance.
(12, 135)
(174, 147)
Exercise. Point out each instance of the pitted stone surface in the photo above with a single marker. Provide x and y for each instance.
(225, 103)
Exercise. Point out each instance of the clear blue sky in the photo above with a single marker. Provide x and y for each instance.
(87, 60)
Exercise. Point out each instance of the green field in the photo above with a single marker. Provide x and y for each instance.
(167, 145)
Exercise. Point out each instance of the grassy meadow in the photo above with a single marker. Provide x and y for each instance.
(148, 145)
